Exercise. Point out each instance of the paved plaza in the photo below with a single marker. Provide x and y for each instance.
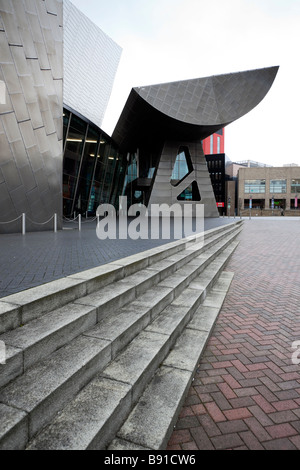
(246, 392)
(36, 258)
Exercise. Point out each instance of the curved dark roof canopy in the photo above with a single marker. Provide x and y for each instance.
(191, 108)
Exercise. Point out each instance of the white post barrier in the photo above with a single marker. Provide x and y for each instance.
(23, 224)
(79, 222)
(55, 223)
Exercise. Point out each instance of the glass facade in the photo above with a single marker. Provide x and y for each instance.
(255, 186)
(190, 194)
(278, 186)
(93, 170)
(181, 167)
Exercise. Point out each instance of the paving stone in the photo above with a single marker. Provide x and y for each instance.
(36, 258)
(249, 352)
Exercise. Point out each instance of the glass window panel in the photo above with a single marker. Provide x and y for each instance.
(67, 207)
(74, 146)
(295, 186)
(95, 197)
(278, 186)
(255, 186)
(83, 192)
(182, 165)
(119, 180)
(190, 194)
(90, 154)
(69, 183)
(100, 172)
(78, 124)
(103, 150)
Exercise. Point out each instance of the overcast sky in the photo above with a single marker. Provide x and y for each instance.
(170, 40)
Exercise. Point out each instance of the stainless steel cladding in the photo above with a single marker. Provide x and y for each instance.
(91, 60)
(31, 108)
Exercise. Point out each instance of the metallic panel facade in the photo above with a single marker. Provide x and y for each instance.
(212, 101)
(91, 59)
(31, 107)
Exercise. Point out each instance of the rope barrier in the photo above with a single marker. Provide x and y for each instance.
(70, 220)
(90, 220)
(11, 221)
(40, 223)
(24, 218)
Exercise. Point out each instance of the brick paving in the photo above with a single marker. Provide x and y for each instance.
(246, 392)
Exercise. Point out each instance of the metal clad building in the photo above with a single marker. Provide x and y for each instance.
(56, 75)
(51, 55)
(31, 73)
(91, 60)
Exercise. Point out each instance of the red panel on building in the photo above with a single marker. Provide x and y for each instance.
(215, 143)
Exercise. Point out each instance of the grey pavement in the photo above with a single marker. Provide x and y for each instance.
(36, 258)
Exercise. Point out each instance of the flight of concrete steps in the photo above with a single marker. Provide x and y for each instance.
(103, 359)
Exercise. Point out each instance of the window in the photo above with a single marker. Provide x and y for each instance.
(255, 186)
(191, 193)
(183, 166)
(295, 186)
(278, 186)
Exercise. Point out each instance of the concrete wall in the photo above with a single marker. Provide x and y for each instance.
(164, 193)
(31, 107)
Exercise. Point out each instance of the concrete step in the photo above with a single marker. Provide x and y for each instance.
(34, 341)
(152, 421)
(55, 355)
(92, 418)
(20, 308)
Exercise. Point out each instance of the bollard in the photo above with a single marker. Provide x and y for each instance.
(55, 223)
(79, 222)
(23, 224)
